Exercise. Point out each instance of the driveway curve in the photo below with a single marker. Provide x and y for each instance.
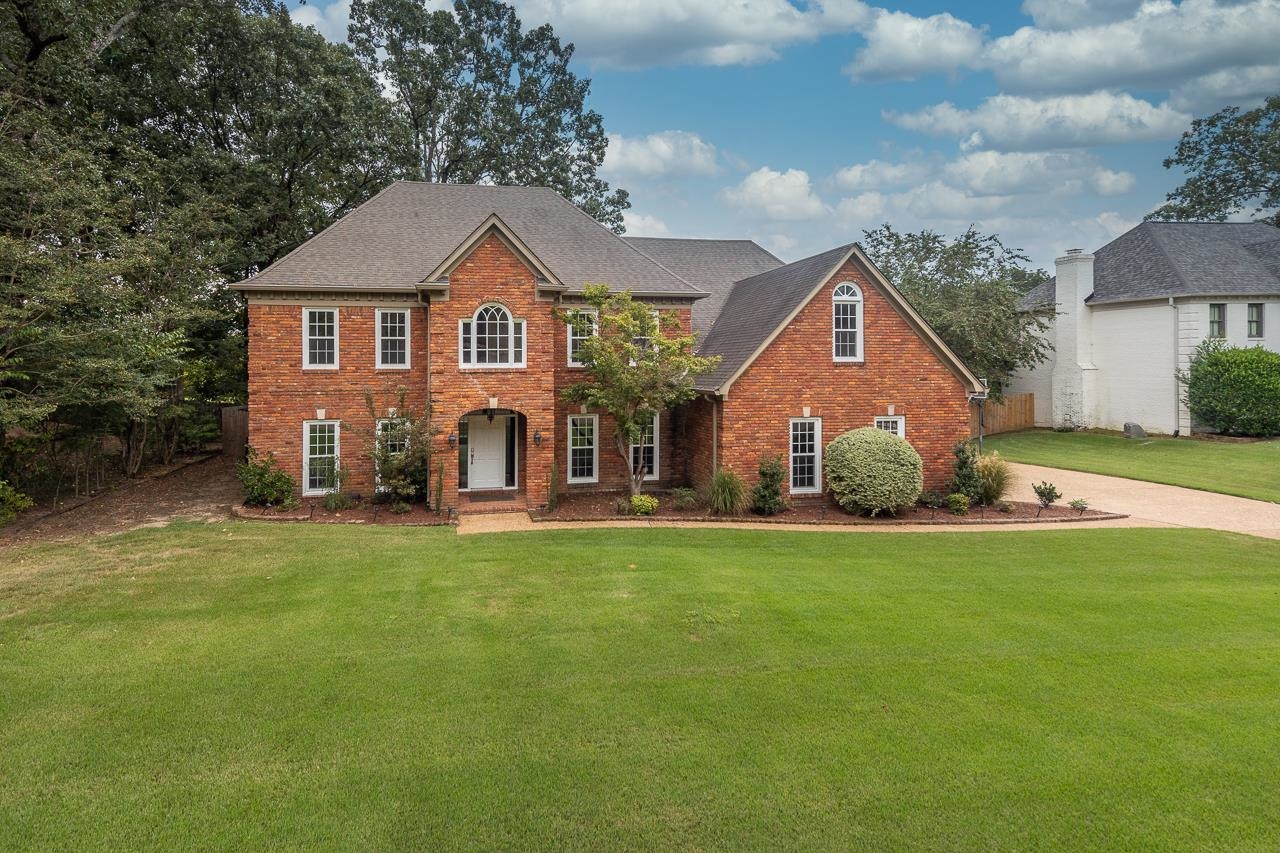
(1154, 504)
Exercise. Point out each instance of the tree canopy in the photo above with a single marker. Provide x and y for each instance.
(154, 151)
(1232, 162)
(484, 100)
(968, 289)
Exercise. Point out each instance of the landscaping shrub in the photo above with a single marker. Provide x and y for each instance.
(766, 497)
(965, 479)
(958, 504)
(933, 499)
(685, 497)
(1046, 494)
(994, 478)
(12, 502)
(873, 471)
(1079, 505)
(338, 501)
(1234, 390)
(644, 504)
(728, 495)
(265, 483)
(401, 507)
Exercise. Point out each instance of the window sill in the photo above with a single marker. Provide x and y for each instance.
(319, 367)
(401, 367)
(492, 367)
(805, 491)
(848, 360)
(591, 482)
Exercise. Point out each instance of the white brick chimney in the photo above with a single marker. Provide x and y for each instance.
(1073, 370)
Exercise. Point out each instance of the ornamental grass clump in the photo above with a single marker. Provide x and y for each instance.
(728, 496)
(994, 478)
(871, 471)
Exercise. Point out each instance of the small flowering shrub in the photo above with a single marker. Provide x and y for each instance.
(958, 504)
(644, 504)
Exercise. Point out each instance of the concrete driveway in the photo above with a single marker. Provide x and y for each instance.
(1152, 504)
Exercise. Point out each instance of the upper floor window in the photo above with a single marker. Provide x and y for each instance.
(491, 338)
(393, 338)
(1217, 319)
(320, 338)
(581, 327)
(1255, 319)
(846, 322)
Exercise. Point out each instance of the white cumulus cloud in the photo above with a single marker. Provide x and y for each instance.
(778, 196)
(1019, 123)
(640, 225)
(1023, 172)
(901, 46)
(1070, 14)
(1161, 45)
(666, 154)
(878, 174)
(330, 20)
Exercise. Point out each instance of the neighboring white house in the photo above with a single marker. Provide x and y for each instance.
(1130, 316)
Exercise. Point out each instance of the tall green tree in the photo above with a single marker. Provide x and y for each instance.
(1232, 162)
(485, 100)
(638, 363)
(968, 289)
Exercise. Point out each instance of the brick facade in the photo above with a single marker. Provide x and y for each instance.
(795, 371)
(283, 395)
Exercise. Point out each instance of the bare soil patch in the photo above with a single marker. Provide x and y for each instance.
(192, 489)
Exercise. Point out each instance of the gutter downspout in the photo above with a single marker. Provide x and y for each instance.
(715, 436)
(1177, 383)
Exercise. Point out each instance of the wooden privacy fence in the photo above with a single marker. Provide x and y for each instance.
(235, 430)
(1017, 411)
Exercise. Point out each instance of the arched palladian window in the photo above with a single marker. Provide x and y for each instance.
(846, 322)
(491, 338)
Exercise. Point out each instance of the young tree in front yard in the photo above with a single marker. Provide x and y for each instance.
(638, 363)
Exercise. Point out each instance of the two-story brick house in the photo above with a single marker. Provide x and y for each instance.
(450, 293)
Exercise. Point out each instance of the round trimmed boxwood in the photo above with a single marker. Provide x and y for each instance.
(1235, 390)
(873, 471)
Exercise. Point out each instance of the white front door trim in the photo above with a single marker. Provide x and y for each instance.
(487, 453)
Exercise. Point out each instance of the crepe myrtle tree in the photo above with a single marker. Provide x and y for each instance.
(638, 362)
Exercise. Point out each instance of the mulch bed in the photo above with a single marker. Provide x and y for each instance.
(603, 507)
(361, 513)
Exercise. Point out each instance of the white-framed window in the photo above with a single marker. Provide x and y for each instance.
(392, 338)
(895, 424)
(491, 338)
(643, 342)
(393, 439)
(846, 322)
(320, 456)
(583, 327)
(584, 449)
(1217, 319)
(1256, 328)
(320, 338)
(646, 451)
(806, 455)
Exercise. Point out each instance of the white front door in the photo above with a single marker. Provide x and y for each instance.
(487, 453)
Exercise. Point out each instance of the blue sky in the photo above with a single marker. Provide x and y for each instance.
(798, 124)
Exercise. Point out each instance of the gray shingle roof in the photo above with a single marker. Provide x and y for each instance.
(756, 306)
(399, 236)
(711, 266)
(1157, 260)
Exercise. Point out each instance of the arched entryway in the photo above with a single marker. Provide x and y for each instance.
(491, 451)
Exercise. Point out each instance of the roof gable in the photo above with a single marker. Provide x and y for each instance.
(759, 308)
(492, 225)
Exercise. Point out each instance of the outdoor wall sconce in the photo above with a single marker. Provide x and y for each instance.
(537, 438)
(453, 440)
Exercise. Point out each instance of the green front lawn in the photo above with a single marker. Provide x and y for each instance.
(1246, 469)
(256, 685)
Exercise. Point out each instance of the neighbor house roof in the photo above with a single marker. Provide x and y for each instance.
(398, 239)
(1157, 260)
(709, 265)
(759, 307)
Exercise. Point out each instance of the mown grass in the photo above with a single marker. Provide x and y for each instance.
(1247, 469)
(254, 685)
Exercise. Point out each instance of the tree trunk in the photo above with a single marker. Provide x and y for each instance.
(135, 445)
(636, 480)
